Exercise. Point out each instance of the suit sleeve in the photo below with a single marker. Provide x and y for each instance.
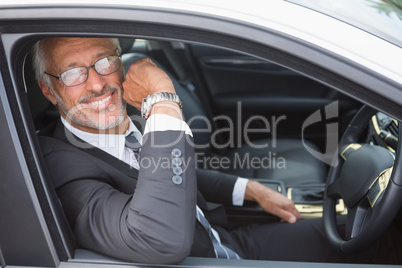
(216, 186)
(153, 225)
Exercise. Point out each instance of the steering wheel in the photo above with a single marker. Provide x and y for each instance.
(369, 180)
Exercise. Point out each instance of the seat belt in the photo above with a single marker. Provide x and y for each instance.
(174, 60)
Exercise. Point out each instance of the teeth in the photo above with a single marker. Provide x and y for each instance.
(100, 102)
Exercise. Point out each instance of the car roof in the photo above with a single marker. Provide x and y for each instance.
(381, 18)
(378, 17)
(291, 21)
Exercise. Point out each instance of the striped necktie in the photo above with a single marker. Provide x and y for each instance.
(221, 251)
(132, 143)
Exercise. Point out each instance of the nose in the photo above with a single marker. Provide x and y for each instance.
(95, 81)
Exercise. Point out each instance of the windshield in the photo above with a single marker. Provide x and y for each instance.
(379, 17)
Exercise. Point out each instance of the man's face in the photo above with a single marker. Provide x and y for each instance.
(98, 102)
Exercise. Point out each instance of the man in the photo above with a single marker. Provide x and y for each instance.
(143, 209)
(92, 106)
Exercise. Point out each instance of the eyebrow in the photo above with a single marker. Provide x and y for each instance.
(75, 64)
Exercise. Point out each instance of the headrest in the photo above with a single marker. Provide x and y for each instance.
(126, 44)
(37, 101)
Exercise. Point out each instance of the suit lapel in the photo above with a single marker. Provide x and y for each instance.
(61, 133)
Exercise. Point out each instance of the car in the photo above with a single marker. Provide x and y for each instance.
(326, 73)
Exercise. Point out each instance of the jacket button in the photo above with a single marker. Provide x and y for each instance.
(176, 152)
(177, 180)
(177, 162)
(177, 171)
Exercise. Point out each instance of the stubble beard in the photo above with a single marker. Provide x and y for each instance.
(78, 115)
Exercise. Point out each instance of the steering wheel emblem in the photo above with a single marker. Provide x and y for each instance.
(349, 149)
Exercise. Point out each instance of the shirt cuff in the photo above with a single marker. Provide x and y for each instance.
(163, 122)
(239, 191)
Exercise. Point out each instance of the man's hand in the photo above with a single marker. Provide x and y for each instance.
(145, 78)
(272, 202)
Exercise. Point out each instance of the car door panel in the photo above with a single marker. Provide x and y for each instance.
(242, 87)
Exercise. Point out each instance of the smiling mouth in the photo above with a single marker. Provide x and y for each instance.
(101, 101)
(100, 104)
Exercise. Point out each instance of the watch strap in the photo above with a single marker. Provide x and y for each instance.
(150, 100)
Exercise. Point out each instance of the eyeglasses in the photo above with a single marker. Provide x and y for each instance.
(78, 75)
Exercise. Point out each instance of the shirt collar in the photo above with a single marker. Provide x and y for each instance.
(113, 144)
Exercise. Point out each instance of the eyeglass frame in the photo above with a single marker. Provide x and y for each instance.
(87, 68)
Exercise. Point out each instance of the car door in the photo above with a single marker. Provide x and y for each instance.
(27, 223)
(32, 231)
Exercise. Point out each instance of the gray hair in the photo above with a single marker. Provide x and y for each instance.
(39, 60)
(39, 63)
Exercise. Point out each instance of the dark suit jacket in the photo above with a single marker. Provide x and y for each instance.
(153, 225)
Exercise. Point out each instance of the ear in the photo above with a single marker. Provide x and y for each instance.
(47, 92)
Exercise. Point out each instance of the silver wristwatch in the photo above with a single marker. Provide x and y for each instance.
(150, 100)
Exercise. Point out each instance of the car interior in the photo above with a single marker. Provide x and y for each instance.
(226, 90)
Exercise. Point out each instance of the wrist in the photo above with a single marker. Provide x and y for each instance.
(252, 191)
(168, 108)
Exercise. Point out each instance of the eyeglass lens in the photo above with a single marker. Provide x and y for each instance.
(78, 75)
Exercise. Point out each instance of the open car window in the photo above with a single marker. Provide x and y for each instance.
(275, 86)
